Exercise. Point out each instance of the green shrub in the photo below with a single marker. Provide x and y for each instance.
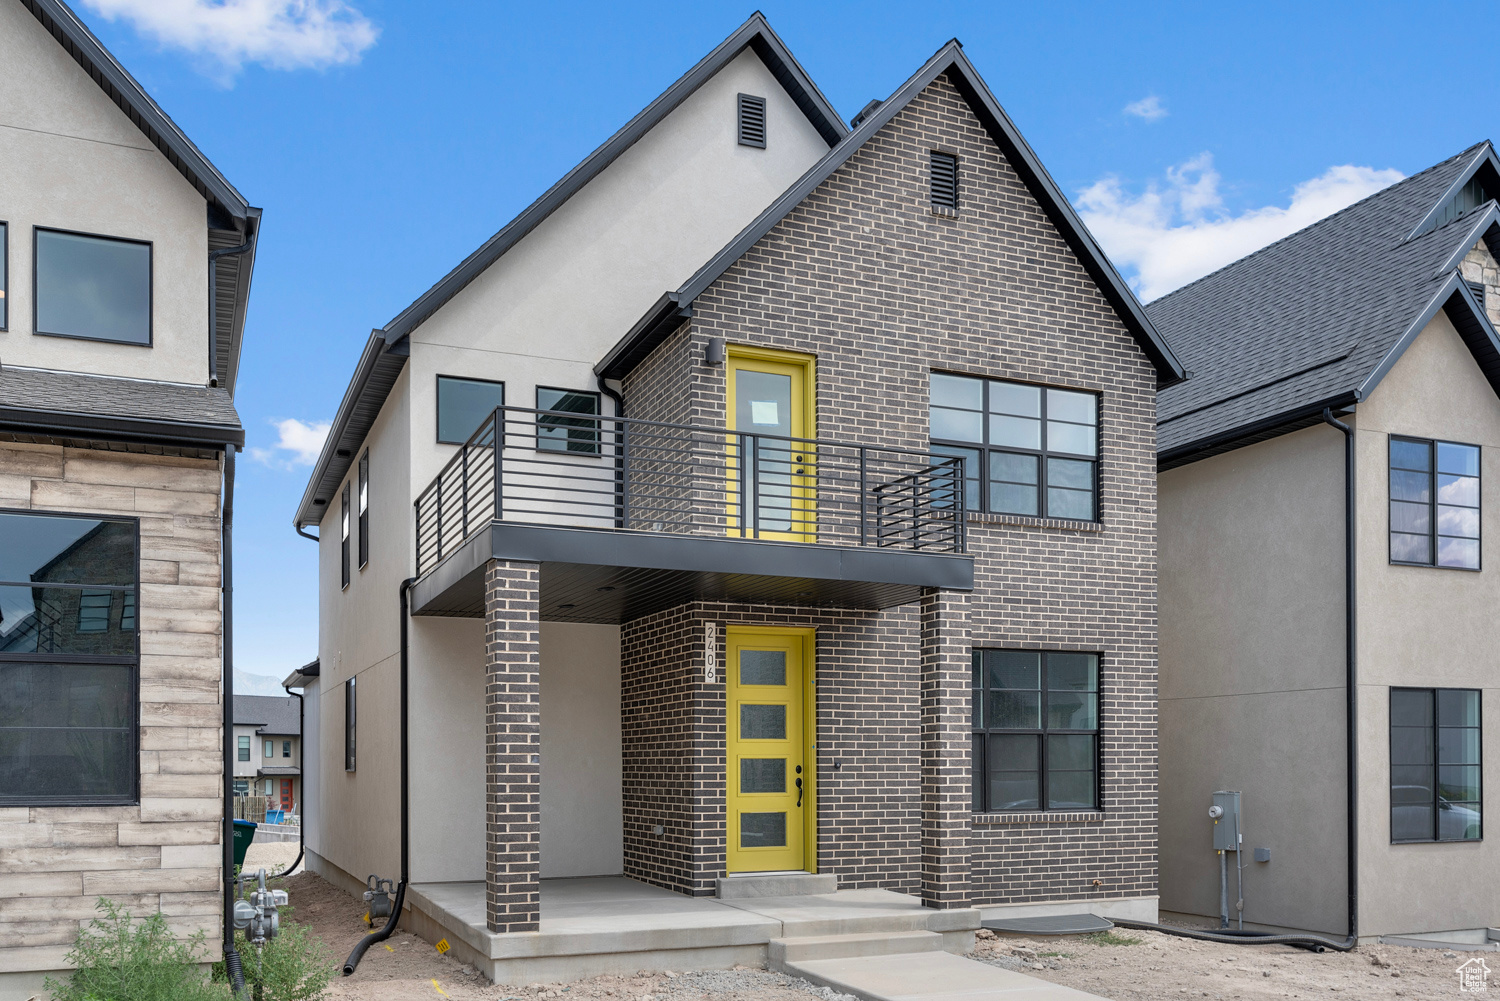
(293, 966)
(1111, 938)
(121, 959)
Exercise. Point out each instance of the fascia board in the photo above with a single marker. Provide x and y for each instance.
(1484, 155)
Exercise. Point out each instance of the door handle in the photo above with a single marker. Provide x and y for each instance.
(799, 792)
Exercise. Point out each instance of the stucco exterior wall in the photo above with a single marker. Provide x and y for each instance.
(1425, 627)
(162, 852)
(1253, 676)
(72, 160)
(557, 301)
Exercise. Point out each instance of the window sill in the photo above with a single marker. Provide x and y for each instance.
(1038, 817)
(1434, 566)
(944, 211)
(1028, 521)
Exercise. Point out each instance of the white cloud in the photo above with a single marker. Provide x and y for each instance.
(226, 34)
(1169, 235)
(1148, 108)
(298, 444)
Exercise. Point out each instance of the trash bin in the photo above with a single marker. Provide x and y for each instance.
(244, 833)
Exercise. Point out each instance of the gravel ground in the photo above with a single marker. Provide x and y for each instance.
(1156, 966)
(1123, 966)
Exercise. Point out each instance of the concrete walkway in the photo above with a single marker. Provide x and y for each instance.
(930, 976)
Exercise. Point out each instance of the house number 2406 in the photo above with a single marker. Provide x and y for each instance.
(710, 653)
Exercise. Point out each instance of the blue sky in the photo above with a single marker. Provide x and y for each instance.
(386, 140)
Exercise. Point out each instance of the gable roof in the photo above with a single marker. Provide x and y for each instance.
(232, 221)
(385, 352)
(1318, 318)
(673, 306)
(269, 714)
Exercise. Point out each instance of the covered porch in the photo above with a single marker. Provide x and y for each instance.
(860, 551)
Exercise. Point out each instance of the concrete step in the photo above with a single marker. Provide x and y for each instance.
(776, 884)
(781, 951)
(937, 976)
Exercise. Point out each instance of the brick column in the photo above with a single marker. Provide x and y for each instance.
(512, 661)
(946, 794)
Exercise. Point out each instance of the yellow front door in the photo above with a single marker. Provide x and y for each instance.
(771, 820)
(771, 480)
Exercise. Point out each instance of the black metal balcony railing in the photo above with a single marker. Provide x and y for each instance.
(558, 468)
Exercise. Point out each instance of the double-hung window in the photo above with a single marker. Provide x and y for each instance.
(286, 748)
(1434, 503)
(1435, 765)
(69, 660)
(244, 748)
(1036, 730)
(1027, 450)
(95, 287)
(558, 431)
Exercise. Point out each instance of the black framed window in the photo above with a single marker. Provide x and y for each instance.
(1027, 450)
(350, 718)
(286, 748)
(1036, 730)
(463, 405)
(1436, 775)
(244, 748)
(1434, 503)
(364, 509)
(344, 537)
(4, 276)
(69, 659)
(94, 287)
(556, 432)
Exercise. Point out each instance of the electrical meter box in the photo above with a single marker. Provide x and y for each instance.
(1226, 817)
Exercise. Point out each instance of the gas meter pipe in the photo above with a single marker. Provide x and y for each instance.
(390, 922)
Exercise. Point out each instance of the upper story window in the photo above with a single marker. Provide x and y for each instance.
(364, 509)
(1434, 503)
(96, 287)
(286, 748)
(244, 748)
(68, 660)
(4, 276)
(557, 433)
(464, 404)
(1027, 450)
(1036, 730)
(270, 748)
(752, 121)
(344, 538)
(1435, 765)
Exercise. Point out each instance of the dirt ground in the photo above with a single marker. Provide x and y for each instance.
(1156, 966)
(1145, 966)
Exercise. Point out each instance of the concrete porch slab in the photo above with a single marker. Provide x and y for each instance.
(930, 976)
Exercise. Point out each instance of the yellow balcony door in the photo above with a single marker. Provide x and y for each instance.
(771, 482)
(771, 819)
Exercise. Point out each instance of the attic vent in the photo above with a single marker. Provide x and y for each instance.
(752, 121)
(944, 182)
(1478, 289)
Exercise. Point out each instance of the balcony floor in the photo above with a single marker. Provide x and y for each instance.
(616, 576)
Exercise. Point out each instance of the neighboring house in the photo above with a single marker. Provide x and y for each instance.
(696, 642)
(120, 344)
(1381, 316)
(268, 750)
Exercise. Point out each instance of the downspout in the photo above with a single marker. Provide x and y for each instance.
(390, 922)
(231, 955)
(301, 774)
(622, 515)
(213, 313)
(1351, 748)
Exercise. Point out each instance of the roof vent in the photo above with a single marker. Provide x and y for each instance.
(752, 121)
(1478, 289)
(865, 113)
(944, 183)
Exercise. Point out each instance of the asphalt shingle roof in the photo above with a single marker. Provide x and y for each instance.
(1309, 318)
(272, 714)
(102, 396)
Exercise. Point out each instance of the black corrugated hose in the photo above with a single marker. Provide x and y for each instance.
(1317, 943)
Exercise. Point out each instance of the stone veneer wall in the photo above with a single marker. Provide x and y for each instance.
(162, 853)
(882, 291)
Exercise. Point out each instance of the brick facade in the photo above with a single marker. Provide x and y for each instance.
(512, 661)
(162, 853)
(866, 278)
(946, 789)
